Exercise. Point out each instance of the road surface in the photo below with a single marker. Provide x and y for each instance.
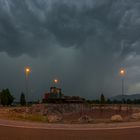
(13, 132)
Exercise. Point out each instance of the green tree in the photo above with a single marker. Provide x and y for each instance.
(5, 97)
(102, 99)
(108, 101)
(22, 99)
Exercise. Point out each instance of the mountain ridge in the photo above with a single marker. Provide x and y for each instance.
(126, 97)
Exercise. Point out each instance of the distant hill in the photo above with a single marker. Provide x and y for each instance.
(131, 97)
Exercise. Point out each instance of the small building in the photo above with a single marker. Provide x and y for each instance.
(55, 96)
(55, 93)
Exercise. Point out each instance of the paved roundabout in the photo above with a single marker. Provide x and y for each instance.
(18, 130)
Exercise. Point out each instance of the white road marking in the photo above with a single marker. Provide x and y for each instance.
(64, 127)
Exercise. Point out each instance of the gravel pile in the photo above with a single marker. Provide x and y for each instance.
(46, 109)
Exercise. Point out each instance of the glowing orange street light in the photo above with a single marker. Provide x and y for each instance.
(27, 71)
(122, 72)
(55, 81)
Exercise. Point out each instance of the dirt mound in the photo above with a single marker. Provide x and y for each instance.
(46, 109)
(116, 118)
(136, 116)
(85, 119)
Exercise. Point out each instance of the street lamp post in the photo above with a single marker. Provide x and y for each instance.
(27, 72)
(55, 81)
(57, 95)
(122, 74)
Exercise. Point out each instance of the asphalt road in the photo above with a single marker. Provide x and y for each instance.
(13, 133)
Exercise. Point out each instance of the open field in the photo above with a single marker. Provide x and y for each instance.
(72, 113)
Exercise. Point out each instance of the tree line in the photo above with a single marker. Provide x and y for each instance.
(6, 99)
(103, 100)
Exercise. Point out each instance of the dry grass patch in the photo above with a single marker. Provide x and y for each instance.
(29, 117)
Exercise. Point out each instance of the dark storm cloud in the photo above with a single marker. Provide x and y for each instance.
(103, 32)
(34, 24)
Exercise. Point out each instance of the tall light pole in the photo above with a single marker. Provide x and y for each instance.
(56, 88)
(122, 74)
(27, 72)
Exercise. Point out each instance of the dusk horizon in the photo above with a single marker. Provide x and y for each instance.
(83, 44)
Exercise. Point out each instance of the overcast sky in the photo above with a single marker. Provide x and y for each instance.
(83, 43)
